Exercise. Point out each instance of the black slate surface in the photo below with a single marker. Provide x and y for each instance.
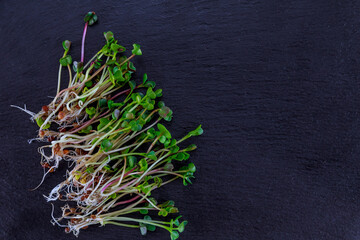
(274, 83)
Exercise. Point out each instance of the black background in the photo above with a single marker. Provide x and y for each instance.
(274, 83)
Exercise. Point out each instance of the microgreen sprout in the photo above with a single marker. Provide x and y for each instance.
(90, 19)
(108, 128)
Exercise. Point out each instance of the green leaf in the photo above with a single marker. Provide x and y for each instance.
(173, 142)
(97, 65)
(110, 104)
(153, 200)
(78, 66)
(110, 62)
(84, 91)
(186, 178)
(133, 96)
(186, 155)
(131, 66)
(158, 92)
(167, 204)
(132, 85)
(138, 99)
(135, 126)
(66, 45)
(124, 67)
(164, 131)
(119, 77)
(150, 84)
(149, 106)
(127, 76)
(115, 47)
(40, 122)
(102, 102)
(117, 104)
(161, 104)
(172, 210)
(129, 115)
(174, 235)
(162, 139)
(142, 122)
(166, 113)
(118, 74)
(167, 142)
(151, 155)
(163, 213)
(107, 168)
(145, 77)
(168, 167)
(150, 227)
(113, 196)
(122, 59)
(89, 83)
(65, 61)
(179, 157)
(143, 165)
(168, 117)
(150, 93)
(90, 111)
(145, 187)
(191, 147)
(176, 221)
(174, 149)
(90, 18)
(136, 49)
(151, 133)
(144, 211)
(93, 20)
(68, 59)
(103, 123)
(86, 130)
(182, 226)
(198, 131)
(106, 145)
(192, 167)
(131, 161)
(108, 36)
(158, 181)
(112, 78)
(125, 124)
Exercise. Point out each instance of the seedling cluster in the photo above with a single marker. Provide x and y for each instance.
(107, 127)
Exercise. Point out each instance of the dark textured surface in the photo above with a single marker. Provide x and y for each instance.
(275, 84)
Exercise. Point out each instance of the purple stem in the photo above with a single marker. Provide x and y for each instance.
(127, 201)
(83, 42)
(115, 96)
